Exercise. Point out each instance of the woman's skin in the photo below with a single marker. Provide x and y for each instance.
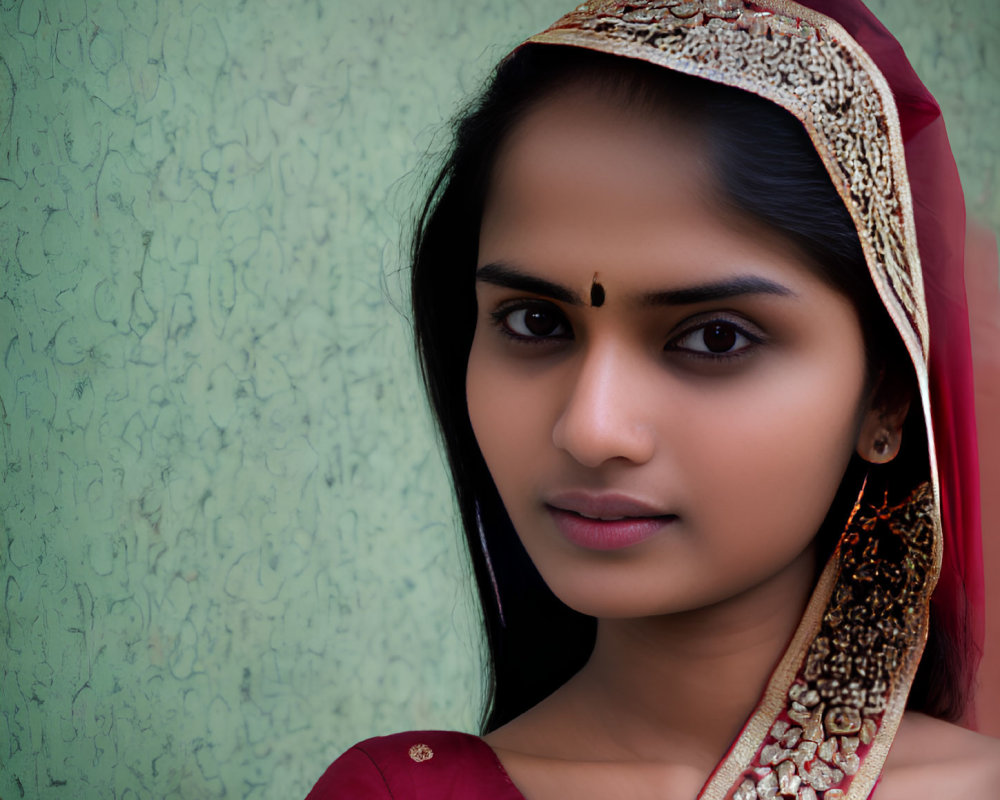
(713, 399)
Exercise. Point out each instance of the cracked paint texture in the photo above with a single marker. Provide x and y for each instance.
(227, 544)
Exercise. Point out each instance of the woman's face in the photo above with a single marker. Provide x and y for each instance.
(680, 443)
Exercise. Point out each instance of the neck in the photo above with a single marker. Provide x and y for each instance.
(685, 683)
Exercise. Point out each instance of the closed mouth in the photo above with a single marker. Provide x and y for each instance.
(606, 531)
(606, 507)
(607, 518)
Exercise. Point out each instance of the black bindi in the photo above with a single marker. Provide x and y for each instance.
(596, 293)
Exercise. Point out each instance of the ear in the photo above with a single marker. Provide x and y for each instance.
(881, 432)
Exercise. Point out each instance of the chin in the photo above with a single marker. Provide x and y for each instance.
(631, 589)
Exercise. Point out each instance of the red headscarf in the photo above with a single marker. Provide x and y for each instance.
(893, 167)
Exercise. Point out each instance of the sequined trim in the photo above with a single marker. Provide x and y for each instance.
(841, 703)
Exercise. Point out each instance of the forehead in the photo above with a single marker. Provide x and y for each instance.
(582, 138)
(587, 181)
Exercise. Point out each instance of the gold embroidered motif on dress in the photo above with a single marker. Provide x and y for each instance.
(421, 753)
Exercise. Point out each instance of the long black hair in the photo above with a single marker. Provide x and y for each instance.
(767, 170)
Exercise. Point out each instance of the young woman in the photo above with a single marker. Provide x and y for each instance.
(676, 327)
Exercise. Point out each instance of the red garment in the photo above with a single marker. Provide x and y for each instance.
(418, 765)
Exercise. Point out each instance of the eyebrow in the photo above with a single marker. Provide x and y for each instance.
(510, 277)
(500, 274)
(717, 290)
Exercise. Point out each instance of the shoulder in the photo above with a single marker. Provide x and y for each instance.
(416, 765)
(933, 758)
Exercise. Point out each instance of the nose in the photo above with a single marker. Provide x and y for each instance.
(606, 413)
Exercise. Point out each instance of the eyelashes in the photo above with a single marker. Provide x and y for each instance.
(718, 338)
(712, 335)
(532, 322)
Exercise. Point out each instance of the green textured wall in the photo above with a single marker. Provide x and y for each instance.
(226, 539)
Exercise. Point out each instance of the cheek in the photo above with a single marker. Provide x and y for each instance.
(773, 460)
(507, 414)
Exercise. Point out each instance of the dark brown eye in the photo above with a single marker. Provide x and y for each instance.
(720, 337)
(717, 337)
(535, 322)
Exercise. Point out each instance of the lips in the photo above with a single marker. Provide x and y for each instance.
(606, 521)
